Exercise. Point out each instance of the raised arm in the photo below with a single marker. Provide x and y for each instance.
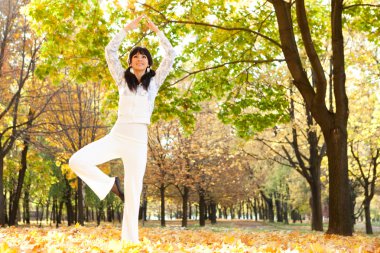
(169, 54)
(112, 55)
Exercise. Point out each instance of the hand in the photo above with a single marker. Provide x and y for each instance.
(134, 24)
(152, 26)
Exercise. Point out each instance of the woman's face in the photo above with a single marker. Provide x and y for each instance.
(139, 62)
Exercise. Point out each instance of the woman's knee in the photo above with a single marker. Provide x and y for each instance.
(76, 159)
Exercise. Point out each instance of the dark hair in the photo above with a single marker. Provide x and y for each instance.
(130, 78)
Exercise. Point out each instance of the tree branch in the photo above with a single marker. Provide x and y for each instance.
(361, 5)
(224, 64)
(214, 26)
(311, 53)
(339, 75)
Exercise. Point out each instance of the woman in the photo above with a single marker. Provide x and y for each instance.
(138, 86)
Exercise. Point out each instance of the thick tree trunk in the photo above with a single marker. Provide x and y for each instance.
(340, 220)
(185, 200)
(162, 194)
(367, 213)
(333, 125)
(316, 204)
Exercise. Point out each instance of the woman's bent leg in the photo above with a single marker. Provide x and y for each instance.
(84, 162)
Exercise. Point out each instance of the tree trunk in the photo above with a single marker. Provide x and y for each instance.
(2, 197)
(220, 215)
(333, 125)
(269, 203)
(202, 208)
(47, 211)
(20, 182)
(239, 210)
(69, 206)
(145, 207)
(316, 204)
(367, 213)
(26, 206)
(212, 212)
(80, 206)
(54, 211)
(21, 175)
(41, 216)
(285, 207)
(225, 215)
(278, 208)
(59, 215)
(340, 220)
(162, 194)
(109, 212)
(37, 213)
(185, 200)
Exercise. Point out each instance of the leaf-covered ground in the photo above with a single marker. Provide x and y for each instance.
(106, 238)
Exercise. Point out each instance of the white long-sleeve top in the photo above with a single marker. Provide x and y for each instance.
(137, 107)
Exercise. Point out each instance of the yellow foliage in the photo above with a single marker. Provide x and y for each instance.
(106, 238)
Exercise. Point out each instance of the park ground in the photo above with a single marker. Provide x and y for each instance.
(225, 236)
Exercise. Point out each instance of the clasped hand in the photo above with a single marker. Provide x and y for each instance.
(135, 24)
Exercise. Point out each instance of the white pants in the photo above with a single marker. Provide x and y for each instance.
(128, 142)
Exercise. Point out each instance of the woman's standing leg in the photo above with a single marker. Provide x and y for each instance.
(84, 162)
(134, 169)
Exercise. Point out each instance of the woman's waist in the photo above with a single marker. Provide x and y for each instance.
(130, 130)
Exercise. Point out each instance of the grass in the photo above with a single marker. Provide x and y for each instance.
(249, 225)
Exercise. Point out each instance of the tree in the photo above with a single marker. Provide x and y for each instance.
(74, 119)
(18, 53)
(332, 123)
(296, 145)
(162, 159)
(221, 27)
(364, 145)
